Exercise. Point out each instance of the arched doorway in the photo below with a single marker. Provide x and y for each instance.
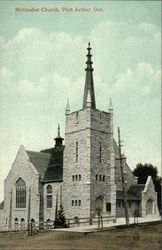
(149, 207)
(98, 205)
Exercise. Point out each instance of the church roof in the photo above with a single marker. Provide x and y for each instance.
(55, 167)
(40, 161)
(134, 192)
(48, 163)
(119, 196)
(137, 190)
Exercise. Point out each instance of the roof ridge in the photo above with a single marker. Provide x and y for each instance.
(38, 152)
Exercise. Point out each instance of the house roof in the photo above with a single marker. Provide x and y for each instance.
(134, 192)
(48, 163)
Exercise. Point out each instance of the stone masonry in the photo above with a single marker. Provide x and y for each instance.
(23, 168)
(84, 175)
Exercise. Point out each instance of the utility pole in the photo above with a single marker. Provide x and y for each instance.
(123, 180)
(10, 213)
(29, 208)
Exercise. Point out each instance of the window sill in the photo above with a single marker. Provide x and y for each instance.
(20, 209)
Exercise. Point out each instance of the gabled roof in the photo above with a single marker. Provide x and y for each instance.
(55, 168)
(40, 161)
(134, 192)
(48, 163)
(137, 190)
(119, 196)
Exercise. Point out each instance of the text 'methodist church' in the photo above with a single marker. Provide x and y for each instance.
(83, 175)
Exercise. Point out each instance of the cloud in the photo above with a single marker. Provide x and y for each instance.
(5, 75)
(36, 52)
(7, 80)
(143, 81)
(123, 45)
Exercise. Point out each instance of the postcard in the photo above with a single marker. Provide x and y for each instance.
(80, 98)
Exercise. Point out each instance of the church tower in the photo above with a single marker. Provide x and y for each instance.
(89, 160)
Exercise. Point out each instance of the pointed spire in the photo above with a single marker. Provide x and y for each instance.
(67, 111)
(110, 105)
(89, 85)
(89, 103)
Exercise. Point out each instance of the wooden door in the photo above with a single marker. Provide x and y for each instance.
(149, 207)
(98, 206)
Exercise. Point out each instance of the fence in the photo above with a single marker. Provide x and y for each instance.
(35, 227)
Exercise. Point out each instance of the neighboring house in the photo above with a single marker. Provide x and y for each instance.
(84, 176)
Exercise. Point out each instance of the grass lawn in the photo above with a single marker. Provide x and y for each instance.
(140, 238)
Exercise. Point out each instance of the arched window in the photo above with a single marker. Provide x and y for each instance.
(16, 223)
(33, 222)
(49, 189)
(49, 196)
(76, 151)
(22, 224)
(48, 223)
(20, 193)
(16, 220)
(100, 152)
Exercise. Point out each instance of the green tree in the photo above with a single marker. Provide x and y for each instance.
(60, 220)
(142, 171)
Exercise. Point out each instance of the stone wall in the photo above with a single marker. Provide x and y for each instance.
(102, 163)
(49, 213)
(149, 193)
(120, 211)
(77, 130)
(24, 169)
(88, 127)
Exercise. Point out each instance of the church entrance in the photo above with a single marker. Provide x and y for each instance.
(149, 207)
(98, 205)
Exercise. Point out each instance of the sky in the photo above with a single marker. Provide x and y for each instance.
(42, 62)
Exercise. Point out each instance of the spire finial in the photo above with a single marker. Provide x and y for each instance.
(89, 86)
(58, 130)
(89, 62)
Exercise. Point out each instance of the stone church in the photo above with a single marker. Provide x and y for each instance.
(83, 175)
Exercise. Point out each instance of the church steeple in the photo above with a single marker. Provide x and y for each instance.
(89, 86)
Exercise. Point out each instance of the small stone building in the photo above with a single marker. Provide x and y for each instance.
(84, 176)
